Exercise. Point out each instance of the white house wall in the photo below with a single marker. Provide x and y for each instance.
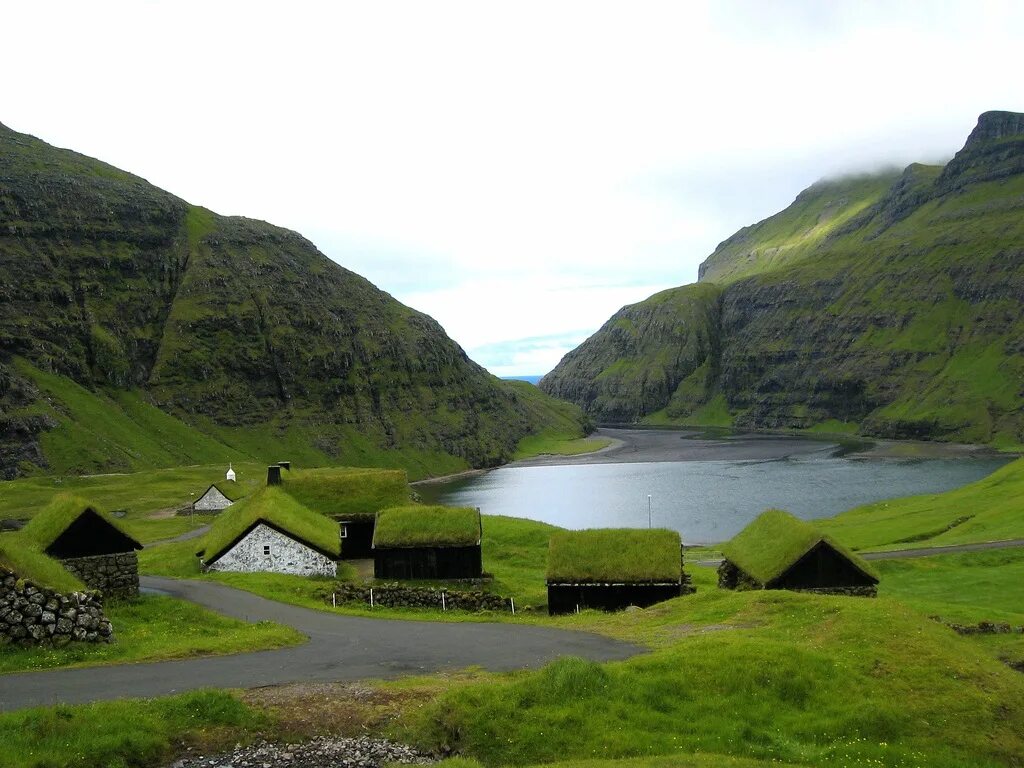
(212, 501)
(286, 556)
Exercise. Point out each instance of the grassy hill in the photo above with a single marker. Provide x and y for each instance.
(139, 331)
(886, 304)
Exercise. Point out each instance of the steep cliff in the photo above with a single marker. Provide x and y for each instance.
(888, 304)
(138, 330)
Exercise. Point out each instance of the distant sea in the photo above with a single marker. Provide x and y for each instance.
(531, 379)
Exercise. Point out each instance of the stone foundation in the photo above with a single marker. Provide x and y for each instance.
(395, 596)
(31, 615)
(115, 575)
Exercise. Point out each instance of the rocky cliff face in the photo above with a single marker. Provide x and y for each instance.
(225, 324)
(888, 303)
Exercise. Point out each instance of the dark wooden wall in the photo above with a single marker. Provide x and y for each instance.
(428, 563)
(564, 598)
(822, 568)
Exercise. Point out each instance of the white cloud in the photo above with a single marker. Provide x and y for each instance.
(517, 170)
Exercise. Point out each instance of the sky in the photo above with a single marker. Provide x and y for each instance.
(517, 170)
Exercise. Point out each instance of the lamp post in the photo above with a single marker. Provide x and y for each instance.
(649, 510)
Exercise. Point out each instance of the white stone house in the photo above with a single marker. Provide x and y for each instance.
(213, 499)
(266, 548)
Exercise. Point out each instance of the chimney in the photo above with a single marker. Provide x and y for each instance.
(274, 475)
(285, 465)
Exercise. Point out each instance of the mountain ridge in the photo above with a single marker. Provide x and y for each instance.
(887, 304)
(225, 324)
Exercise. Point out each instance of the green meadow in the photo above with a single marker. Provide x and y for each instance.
(739, 679)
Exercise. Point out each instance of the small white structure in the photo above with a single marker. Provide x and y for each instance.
(266, 548)
(230, 474)
(212, 500)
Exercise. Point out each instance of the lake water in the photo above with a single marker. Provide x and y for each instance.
(706, 501)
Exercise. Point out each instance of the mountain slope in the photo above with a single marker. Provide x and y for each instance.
(119, 301)
(889, 303)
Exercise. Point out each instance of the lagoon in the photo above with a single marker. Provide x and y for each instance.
(706, 499)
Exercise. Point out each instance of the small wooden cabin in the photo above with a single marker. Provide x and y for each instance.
(419, 542)
(217, 497)
(89, 543)
(270, 532)
(779, 551)
(610, 569)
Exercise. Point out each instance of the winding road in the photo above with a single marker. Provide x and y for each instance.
(340, 648)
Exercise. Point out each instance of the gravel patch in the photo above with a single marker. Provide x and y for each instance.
(324, 752)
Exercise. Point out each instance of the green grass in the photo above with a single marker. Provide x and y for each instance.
(347, 492)
(23, 559)
(774, 541)
(124, 734)
(137, 495)
(423, 526)
(796, 678)
(155, 628)
(990, 509)
(558, 445)
(631, 555)
(270, 505)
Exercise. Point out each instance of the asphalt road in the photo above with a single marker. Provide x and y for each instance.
(340, 648)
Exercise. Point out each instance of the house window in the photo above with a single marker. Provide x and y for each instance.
(344, 531)
(266, 549)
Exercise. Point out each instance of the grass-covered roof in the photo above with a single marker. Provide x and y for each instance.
(615, 555)
(422, 526)
(51, 521)
(23, 558)
(347, 493)
(277, 509)
(775, 540)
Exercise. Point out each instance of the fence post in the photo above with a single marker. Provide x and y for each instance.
(513, 601)
(444, 606)
(334, 599)
(371, 597)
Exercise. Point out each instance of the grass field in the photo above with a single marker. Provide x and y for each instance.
(156, 628)
(124, 734)
(147, 499)
(987, 510)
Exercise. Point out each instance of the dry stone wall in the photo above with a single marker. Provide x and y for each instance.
(265, 550)
(32, 615)
(397, 596)
(115, 575)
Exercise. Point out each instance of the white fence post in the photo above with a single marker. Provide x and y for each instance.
(371, 597)
(513, 601)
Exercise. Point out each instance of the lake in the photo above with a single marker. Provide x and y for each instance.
(705, 499)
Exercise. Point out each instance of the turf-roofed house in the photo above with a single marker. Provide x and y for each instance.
(351, 497)
(779, 551)
(270, 532)
(610, 569)
(88, 543)
(218, 496)
(423, 542)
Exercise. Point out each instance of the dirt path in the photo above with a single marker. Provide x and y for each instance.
(340, 648)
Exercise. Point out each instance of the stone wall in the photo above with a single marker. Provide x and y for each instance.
(396, 596)
(31, 615)
(115, 575)
(265, 550)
